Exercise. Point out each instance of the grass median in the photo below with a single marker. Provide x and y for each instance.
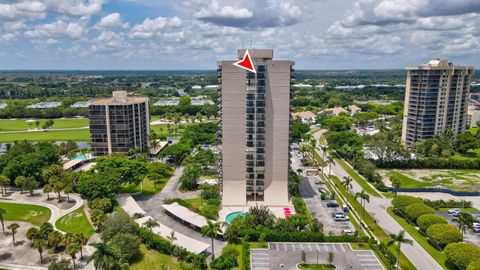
(76, 222)
(360, 180)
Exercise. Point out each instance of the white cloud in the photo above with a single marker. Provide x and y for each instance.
(151, 28)
(59, 29)
(113, 20)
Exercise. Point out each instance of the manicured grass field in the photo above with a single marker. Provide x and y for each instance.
(148, 187)
(41, 136)
(435, 253)
(76, 222)
(21, 124)
(153, 259)
(316, 266)
(360, 180)
(26, 212)
(460, 180)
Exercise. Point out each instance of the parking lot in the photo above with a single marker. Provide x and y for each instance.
(281, 255)
(469, 236)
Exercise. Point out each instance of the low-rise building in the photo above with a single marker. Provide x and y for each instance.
(306, 117)
(335, 111)
(354, 109)
(45, 105)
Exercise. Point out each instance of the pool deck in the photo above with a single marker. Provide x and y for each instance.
(276, 210)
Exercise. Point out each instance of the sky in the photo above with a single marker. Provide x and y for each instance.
(194, 34)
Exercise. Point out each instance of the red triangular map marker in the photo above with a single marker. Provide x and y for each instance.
(246, 63)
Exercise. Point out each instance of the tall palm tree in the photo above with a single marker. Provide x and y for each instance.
(347, 183)
(171, 237)
(39, 244)
(2, 215)
(303, 149)
(72, 250)
(150, 224)
(312, 146)
(330, 161)
(4, 182)
(399, 239)
(324, 151)
(364, 197)
(104, 257)
(211, 230)
(13, 227)
(464, 221)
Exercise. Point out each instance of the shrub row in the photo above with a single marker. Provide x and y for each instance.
(430, 163)
(276, 236)
(462, 255)
(436, 204)
(425, 221)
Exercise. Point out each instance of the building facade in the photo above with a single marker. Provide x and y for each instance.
(255, 114)
(119, 124)
(436, 98)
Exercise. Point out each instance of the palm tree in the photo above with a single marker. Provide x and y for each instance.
(2, 215)
(104, 257)
(303, 148)
(324, 151)
(364, 197)
(39, 244)
(464, 221)
(81, 240)
(347, 183)
(399, 239)
(4, 182)
(150, 224)
(330, 161)
(312, 146)
(72, 250)
(211, 230)
(13, 227)
(171, 237)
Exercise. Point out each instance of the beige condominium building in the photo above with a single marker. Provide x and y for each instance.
(255, 113)
(119, 124)
(436, 98)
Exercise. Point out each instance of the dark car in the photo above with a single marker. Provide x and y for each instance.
(332, 204)
(321, 190)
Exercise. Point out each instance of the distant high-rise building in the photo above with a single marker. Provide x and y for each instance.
(119, 124)
(436, 98)
(255, 113)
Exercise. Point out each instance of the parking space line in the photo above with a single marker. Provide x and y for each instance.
(301, 247)
(285, 246)
(293, 247)
(277, 246)
(310, 247)
(342, 248)
(334, 248)
(326, 247)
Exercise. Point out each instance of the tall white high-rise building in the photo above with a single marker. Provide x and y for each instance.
(436, 98)
(255, 113)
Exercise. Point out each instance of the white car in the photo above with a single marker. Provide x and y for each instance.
(454, 211)
(348, 232)
(476, 225)
(340, 217)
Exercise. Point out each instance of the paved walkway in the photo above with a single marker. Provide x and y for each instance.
(377, 208)
(152, 205)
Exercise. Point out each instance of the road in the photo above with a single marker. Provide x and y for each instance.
(377, 209)
(152, 205)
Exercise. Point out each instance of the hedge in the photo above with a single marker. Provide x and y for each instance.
(462, 254)
(444, 234)
(425, 221)
(277, 236)
(431, 163)
(401, 202)
(447, 204)
(415, 210)
(475, 265)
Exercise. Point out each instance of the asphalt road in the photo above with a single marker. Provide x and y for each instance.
(377, 208)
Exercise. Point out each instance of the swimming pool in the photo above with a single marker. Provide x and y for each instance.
(82, 156)
(230, 217)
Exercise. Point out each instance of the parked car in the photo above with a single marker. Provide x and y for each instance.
(334, 213)
(332, 204)
(475, 224)
(341, 218)
(348, 232)
(318, 182)
(476, 229)
(454, 211)
(321, 190)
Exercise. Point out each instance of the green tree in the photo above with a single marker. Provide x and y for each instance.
(104, 256)
(39, 244)
(19, 182)
(13, 228)
(30, 184)
(4, 182)
(150, 224)
(331, 257)
(32, 234)
(81, 240)
(399, 239)
(171, 237)
(3, 212)
(72, 251)
(395, 183)
(47, 189)
(126, 247)
(347, 183)
(464, 221)
(54, 240)
(330, 161)
(364, 197)
(211, 230)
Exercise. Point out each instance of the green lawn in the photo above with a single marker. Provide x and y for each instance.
(153, 259)
(435, 253)
(76, 222)
(149, 187)
(21, 124)
(26, 212)
(360, 180)
(60, 135)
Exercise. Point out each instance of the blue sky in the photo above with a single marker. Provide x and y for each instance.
(194, 34)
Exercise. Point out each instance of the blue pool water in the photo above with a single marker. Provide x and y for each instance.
(82, 156)
(230, 217)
